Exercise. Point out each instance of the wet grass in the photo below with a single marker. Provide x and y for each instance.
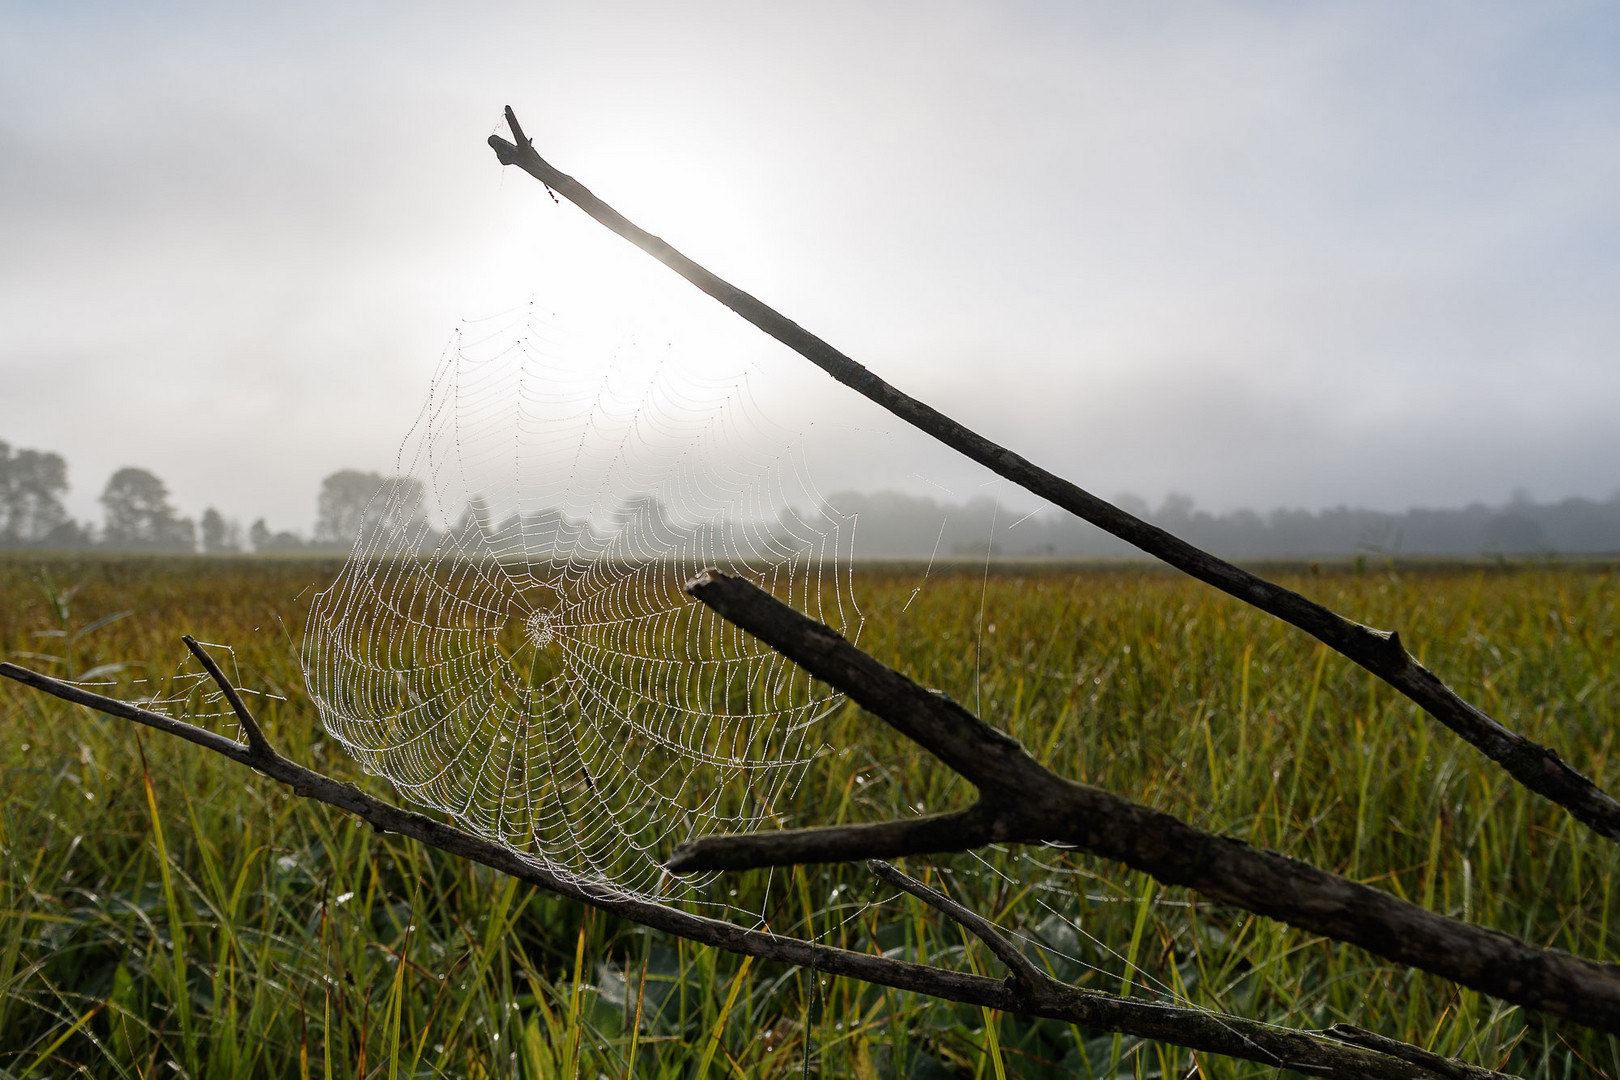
(167, 913)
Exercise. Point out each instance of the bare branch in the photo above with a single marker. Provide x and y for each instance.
(1454, 1068)
(1198, 1030)
(1035, 984)
(1536, 767)
(256, 740)
(1025, 974)
(1031, 804)
(67, 691)
(994, 761)
(959, 830)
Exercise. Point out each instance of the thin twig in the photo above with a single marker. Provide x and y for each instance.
(255, 736)
(1025, 974)
(1230, 1036)
(1537, 767)
(1026, 802)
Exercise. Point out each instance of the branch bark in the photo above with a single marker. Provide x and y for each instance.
(1304, 1052)
(1023, 801)
(1451, 1067)
(257, 743)
(1537, 767)
(1037, 982)
(1025, 974)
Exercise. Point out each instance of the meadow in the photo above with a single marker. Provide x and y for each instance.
(164, 912)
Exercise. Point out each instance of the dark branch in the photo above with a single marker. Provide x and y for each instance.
(1030, 979)
(1031, 804)
(959, 830)
(993, 761)
(1536, 767)
(1231, 1036)
(1455, 1068)
(219, 744)
(1035, 985)
(256, 740)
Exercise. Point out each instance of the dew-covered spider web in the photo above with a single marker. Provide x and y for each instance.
(510, 642)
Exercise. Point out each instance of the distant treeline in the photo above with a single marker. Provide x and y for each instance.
(138, 516)
(895, 525)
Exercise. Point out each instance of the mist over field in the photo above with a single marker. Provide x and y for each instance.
(139, 516)
(894, 525)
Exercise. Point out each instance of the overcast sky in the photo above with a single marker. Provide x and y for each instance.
(1266, 254)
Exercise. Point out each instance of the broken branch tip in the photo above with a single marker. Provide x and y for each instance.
(709, 576)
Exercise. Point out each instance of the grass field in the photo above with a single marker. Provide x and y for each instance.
(165, 912)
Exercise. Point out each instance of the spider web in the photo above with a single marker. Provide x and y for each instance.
(509, 641)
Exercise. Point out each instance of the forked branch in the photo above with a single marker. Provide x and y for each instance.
(1036, 983)
(1025, 975)
(1535, 766)
(1304, 1052)
(1449, 1067)
(1020, 800)
(257, 743)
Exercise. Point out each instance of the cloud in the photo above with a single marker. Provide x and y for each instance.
(1272, 256)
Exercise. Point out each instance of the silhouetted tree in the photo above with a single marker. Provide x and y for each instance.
(340, 509)
(31, 486)
(352, 502)
(266, 542)
(219, 536)
(1514, 534)
(139, 516)
(70, 534)
(1176, 511)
